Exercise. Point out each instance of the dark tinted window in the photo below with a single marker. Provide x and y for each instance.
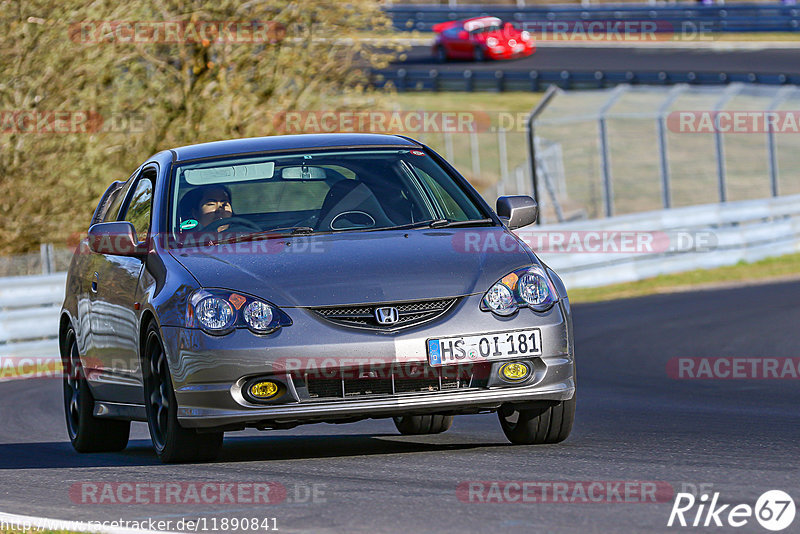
(328, 191)
(140, 207)
(115, 203)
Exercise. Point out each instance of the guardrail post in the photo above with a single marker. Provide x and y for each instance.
(534, 76)
(47, 258)
(402, 81)
(731, 91)
(772, 151)
(476, 157)
(469, 81)
(448, 145)
(502, 152)
(530, 133)
(434, 74)
(605, 157)
(661, 130)
(500, 76)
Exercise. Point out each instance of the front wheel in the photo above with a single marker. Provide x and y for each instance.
(87, 433)
(479, 54)
(423, 424)
(547, 422)
(172, 442)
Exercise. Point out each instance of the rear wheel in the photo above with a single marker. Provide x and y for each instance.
(87, 432)
(423, 424)
(547, 422)
(172, 442)
(441, 54)
(479, 54)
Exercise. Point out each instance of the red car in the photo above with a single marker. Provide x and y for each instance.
(479, 39)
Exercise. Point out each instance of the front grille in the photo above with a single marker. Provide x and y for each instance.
(409, 313)
(400, 378)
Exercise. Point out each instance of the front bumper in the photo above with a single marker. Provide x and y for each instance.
(505, 52)
(208, 371)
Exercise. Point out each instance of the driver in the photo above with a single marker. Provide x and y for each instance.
(208, 204)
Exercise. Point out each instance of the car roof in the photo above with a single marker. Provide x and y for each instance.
(288, 142)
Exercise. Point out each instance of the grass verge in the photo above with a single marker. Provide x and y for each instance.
(770, 269)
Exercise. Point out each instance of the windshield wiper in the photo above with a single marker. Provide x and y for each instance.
(433, 223)
(445, 223)
(266, 234)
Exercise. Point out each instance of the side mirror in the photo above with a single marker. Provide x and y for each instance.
(517, 211)
(117, 238)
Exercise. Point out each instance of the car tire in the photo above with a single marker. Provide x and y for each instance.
(171, 441)
(440, 54)
(548, 422)
(423, 424)
(479, 55)
(87, 433)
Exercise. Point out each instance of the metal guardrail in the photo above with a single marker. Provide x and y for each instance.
(740, 231)
(748, 230)
(538, 80)
(720, 18)
(29, 308)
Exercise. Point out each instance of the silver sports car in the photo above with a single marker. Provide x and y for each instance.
(271, 282)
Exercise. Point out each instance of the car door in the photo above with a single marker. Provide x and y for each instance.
(91, 347)
(116, 282)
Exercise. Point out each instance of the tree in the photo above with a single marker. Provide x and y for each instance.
(132, 79)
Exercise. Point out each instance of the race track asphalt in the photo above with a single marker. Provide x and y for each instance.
(634, 423)
(616, 58)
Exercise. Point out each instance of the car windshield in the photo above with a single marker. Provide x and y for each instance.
(316, 192)
(486, 29)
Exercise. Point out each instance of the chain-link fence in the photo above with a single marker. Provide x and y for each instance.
(495, 162)
(48, 260)
(640, 148)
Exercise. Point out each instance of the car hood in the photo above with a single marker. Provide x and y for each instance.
(501, 35)
(360, 267)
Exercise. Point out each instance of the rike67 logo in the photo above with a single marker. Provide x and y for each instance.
(774, 510)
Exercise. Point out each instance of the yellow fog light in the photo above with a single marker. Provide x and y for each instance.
(264, 390)
(515, 371)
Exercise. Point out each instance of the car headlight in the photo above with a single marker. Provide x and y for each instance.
(534, 288)
(528, 287)
(219, 312)
(500, 300)
(215, 314)
(526, 36)
(492, 41)
(258, 316)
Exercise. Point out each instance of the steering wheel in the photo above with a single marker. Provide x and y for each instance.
(240, 222)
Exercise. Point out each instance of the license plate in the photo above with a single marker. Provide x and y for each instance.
(484, 347)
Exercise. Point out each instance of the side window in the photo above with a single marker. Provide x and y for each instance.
(115, 202)
(446, 202)
(108, 197)
(140, 207)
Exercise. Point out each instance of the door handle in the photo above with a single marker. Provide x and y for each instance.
(95, 280)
